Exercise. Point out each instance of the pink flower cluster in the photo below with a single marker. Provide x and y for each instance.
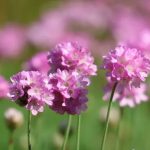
(129, 68)
(64, 89)
(69, 92)
(126, 96)
(71, 66)
(126, 64)
(31, 90)
(71, 56)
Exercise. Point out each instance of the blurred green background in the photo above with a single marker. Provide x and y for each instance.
(134, 130)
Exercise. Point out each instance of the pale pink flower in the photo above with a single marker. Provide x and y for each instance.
(127, 96)
(4, 87)
(38, 62)
(12, 40)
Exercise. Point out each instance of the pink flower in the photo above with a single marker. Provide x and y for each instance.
(38, 62)
(127, 96)
(69, 92)
(4, 87)
(29, 89)
(12, 41)
(71, 56)
(126, 64)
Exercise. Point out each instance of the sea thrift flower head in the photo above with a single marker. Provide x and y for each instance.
(12, 41)
(126, 64)
(14, 118)
(126, 96)
(71, 56)
(69, 92)
(38, 63)
(29, 89)
(4, 87)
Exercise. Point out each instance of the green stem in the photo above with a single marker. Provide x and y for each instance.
(78, 132)
(11, 141)
(118, 128)
(29, 130)
(67, 133)
(107, 117)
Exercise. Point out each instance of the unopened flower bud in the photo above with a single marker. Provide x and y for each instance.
(13, 118)
(114, 116)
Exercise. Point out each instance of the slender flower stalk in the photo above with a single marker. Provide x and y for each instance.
(11, 141)
(107, 117)
(78, 133)
(67, 133)
(29, 130)
(118, 128)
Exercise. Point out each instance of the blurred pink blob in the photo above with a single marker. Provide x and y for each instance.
(127, 96)
(12, 40)
(133, 30)
(70, 22)
(4, 87)
(38, 62)
(48, 30)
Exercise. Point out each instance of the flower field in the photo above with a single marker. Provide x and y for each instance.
(77, 66)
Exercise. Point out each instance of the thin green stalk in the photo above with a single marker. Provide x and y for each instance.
(29, 130)
(11, 141)
(118, 128)
(78, 132)
(107, 117)
(67, 133)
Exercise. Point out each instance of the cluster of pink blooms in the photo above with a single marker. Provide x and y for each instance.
(71, 67)
(129, 68)
(126, 64)
(125, 95)
(63, 89)
(31, 90)
(71, 56)
(4, 87)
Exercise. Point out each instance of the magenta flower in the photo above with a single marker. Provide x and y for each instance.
(4, 87)
(28, 89)
(69, 92)
(71, 56)
(38, 62)
(12, 41)
(126, 64)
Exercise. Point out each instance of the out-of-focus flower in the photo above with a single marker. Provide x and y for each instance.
(74, 20)
(71, 56)
(4, 87)
(126, 96)
(31, 89)
(38, 62)
(126, 64)
(47, 31)
(114, 116)
(13, 118)
(12, 40)
(69, 92)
